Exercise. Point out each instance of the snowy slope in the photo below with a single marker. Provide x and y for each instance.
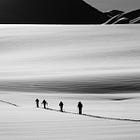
(28, 123)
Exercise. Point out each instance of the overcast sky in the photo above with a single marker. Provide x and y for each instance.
(105, 5)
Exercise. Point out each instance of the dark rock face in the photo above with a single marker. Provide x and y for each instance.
(122, 21)
(132, 17)
(114, 13)
(50, 12)
(135, 21)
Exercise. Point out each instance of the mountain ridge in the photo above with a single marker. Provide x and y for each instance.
(61, 12)
(51, 12)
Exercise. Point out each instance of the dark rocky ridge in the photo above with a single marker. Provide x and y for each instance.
(50, 12)
(132, 17)
(114, 13)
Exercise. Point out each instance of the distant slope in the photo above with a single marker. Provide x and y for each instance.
(50, 12)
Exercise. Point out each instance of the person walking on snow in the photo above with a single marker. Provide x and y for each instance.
(37, 103)
(61, 106)
(44, 103)
(80, 106)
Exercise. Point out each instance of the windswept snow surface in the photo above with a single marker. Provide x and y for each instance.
(53, 53)
(56, 51)
(26, 122)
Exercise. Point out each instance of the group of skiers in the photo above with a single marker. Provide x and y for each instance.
(61, 105)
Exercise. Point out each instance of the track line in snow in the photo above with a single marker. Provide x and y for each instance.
(9, 103)
(96, 116)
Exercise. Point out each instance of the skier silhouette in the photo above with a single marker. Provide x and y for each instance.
(37, 103)
(61, 106)
(44, 103)
(80, 106)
